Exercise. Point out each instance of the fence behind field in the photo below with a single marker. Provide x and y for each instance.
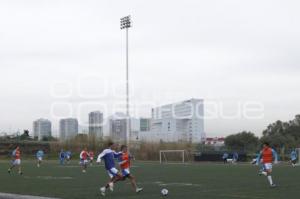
(215, 156)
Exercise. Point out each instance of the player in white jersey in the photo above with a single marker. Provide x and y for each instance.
(108, 155)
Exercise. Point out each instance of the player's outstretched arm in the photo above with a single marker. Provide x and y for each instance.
(117, 154)
(101, 155)
(123, 162)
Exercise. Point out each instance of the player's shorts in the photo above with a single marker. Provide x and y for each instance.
(125, 172)
(112, 172)
(17, 162)
(83, 162)
(91, 158)
(268, 166)
(40, 159)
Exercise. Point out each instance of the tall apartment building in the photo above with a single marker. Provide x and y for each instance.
(182, 121)
(96, 124)
(118, 127)
(41, 128)
(68, 128)
(145, 124)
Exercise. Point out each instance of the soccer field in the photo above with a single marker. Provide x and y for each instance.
(190, 181)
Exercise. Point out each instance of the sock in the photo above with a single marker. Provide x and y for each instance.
(270, 180)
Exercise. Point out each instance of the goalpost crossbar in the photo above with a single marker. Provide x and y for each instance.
(162, 153)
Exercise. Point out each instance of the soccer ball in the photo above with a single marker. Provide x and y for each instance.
(164, 192)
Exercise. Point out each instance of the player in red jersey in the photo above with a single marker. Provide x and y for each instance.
(91, 154)
(267, 156)
(84, 155)
(124, 162)
(16, 162)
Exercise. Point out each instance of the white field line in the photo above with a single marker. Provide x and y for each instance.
(176, 184)
(50, 177)
(17, 196)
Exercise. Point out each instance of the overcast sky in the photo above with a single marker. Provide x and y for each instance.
(66, 58)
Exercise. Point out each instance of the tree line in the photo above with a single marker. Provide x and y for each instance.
(281, 135)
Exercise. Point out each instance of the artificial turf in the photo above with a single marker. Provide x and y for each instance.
(189, 181)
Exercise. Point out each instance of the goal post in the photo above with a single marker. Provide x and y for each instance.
(298, 156)
(172, 156)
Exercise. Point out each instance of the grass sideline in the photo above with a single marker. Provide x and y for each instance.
(193, 181)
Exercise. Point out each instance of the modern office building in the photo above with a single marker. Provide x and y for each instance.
(96, 124)
(118, 126)
(68, 128)
(41, 129)
(145, 124)
(182, 121)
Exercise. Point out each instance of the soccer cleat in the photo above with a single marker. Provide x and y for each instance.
(9, 171)
(111, 186)
(138, 190)
(102, 190)
(273, 185)
(20, 172)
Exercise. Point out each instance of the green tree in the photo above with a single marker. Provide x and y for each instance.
(283, 134)
(25, 135)
(243, 141)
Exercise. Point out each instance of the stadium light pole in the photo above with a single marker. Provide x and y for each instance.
(126, 24)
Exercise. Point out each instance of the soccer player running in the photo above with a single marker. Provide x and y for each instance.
(61, 157)
(84, 155)
(225, 157)
(294, 158)
(108, 155)
(16, 162)
(68, 157)
(267, 156)
(235, 157)
(124, 162)
(39, 156)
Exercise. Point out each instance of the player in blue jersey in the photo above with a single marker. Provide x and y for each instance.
(62, 156)
(235, 157)
(225, 157)
(294, 157)
(108, 155)
(39, 156)
(68, 155)
(255, 160)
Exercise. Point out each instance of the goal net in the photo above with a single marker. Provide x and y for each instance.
(169, 156)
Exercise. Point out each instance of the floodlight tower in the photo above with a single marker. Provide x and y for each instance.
(126, 24)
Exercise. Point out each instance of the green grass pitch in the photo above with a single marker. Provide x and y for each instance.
(190, 181)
